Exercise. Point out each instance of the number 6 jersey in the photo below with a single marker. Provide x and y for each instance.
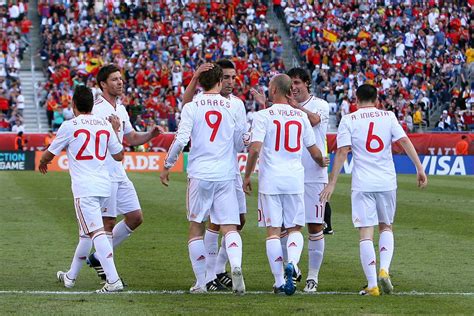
(88, 138)
(370, 133)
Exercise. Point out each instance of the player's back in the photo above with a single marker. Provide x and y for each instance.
(215, 125)
(372, 132)
(287, 132)
(88, 141)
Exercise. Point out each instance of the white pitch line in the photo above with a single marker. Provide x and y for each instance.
(412, 293)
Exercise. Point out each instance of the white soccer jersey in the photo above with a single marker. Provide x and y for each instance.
(370, 132)
(215, 128)
(242, 119)
(312, 171)
(89, 139)
(285, 132)
(103, 109)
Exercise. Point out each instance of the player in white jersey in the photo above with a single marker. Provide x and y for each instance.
(87, 139)
(315, 177)
(217, 279)
(369, 133)
(281, 132)
(123, 199)
(215, 130)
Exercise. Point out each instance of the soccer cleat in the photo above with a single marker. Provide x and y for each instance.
(94, 263)
(225, 279)
(279, 289)
(311, 286)
(195, 289)
(215, 286)
(328, 231)
(62, 277)
(238, 285)
(291, 277)
(117, 286)
(374, 291)
(385, 282)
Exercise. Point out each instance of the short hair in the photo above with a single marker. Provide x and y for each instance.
(209, 79)
(83, 99)
(225, 64)
(366, 93)
(300, 73)
(105, 72)
(282, 83)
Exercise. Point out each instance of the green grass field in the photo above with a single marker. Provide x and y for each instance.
(432, 266)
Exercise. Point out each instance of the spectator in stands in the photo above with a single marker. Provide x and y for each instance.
(18, 127)
(58, 119)
(4, 125)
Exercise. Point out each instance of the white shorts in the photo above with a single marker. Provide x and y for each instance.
(123, 199)
(277, 210)
(372, 208)
(214, 199)
(88, 214)
(314, 209)
(240, 195)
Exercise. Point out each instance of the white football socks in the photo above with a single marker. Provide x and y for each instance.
(315, 254)
(221, 260)
(368, 261)
(295, 247)
(275, 259)
(211, 238)
(120, 232)
(104, 253)
(233, 243)
(82, 251)
(197, 255)
(386, 247)
(283, 240)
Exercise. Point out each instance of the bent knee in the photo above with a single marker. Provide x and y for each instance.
(134, 219)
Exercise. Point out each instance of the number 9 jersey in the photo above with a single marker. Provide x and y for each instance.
(87, 138)
(370, 133)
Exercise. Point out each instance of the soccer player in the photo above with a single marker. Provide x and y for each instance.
(280, 132)
(214, 127)
(369, 133)
(88, 139)
(123, 198)
(217, 279)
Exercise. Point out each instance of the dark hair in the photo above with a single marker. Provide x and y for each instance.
(300, 73)
(209, 79)
(83, 99)
(105, 72)
(225, 64)
(366, 93)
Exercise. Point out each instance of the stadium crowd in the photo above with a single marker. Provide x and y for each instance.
(418, 53)
(14, 29)
(158, 47)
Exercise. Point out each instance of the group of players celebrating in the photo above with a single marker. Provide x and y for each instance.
(288, 137)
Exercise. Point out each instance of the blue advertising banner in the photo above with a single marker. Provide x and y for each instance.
(17, 160)
(433, 165)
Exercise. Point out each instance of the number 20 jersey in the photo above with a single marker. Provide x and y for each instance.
(370, 133)
(88, 139)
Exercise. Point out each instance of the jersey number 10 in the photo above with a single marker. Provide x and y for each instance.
(287, 136)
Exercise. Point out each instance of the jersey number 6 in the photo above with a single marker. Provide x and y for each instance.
(372, 137)
(80, 155)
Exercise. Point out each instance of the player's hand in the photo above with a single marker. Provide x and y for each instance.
(43, 168)
(165, 177)
(292, 101)
(203, 68)
(323, 162)
(247, 186)
(259, 97)
(246, 137)
(422, 179)
(156, 130)
(325, 195)
(115, 121)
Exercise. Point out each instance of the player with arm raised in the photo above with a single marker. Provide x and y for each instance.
(369, 133)
(123, 199)
(213, 125)
(87, 139)
(280, 133)
(216, 260)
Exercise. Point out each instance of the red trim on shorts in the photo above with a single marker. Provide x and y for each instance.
(80, 217)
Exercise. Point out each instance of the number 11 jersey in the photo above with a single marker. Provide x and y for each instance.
(370, 133)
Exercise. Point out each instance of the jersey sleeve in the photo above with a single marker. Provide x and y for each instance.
(182, 136)
(344, 134)
(323, 111)
(397, 130)
(114, 146)
(63, 138)
(259, 129)
(127, 126)
(308, 134)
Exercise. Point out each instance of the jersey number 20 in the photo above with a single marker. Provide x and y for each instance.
(80, 155)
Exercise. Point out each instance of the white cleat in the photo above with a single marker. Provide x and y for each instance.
(62, 277)
(238, 285)
(117, 286)
(195, 289)
(311, 286)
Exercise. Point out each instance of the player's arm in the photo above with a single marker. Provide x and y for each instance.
(411, 152)
(254, 152)
(310, 143)
(240, 132)
(191, 88)
(114, 146)
(341, 156)
(62, 139)
(260, 98)
(180, 141)
(135, 138)
(314, 118)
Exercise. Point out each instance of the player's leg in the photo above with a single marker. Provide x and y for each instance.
(197, 255)
(314, 217)
(283, 242)
(128, 205)
(327, 219)
(83, 249)
(211, 239)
